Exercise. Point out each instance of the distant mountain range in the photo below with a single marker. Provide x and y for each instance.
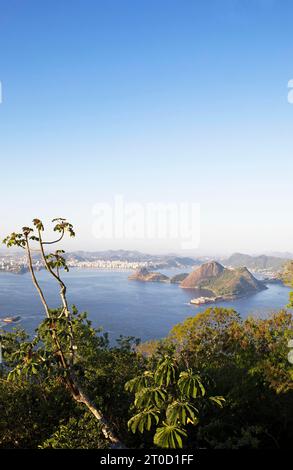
(262, 262)
(168, 261)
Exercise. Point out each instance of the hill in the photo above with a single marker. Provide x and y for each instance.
(178, 278)
(287, 274)
(262, 262)
(145, 275)
(221, 281)
(155, 261)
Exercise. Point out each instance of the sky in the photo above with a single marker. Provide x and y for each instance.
(155, 101)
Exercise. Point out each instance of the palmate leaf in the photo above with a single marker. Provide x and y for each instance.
(218, 400)
(15, 239)
(63, 226)
(38, 224)
(138, 383)
(55, 260)
(144, 420)
(166, 372)
(169, 436)
(181, 412)
(150, 396)
(190, 384)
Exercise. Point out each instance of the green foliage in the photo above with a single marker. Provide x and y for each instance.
(35, 407)
(169, 436)
(81, 432)
(248, 361)
(30, 412)
(165, 402)
(144, 420)
(27, 234)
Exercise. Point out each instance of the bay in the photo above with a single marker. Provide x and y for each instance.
(120, 306)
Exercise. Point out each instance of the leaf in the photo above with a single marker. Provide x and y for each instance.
(38, 224)
(218, 400)
(166, 372)
(182, 412)
(169, 436)
(139, 383)
(189, 383)
(144, 420)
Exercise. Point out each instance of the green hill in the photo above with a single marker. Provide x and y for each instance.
(222, 281)
(255, 262)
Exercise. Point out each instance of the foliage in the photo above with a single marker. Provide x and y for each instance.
(79, 432)
(248, 361)
(287, 277)
(53, 351)
(167, 401)
(29, 412)
(36, 407)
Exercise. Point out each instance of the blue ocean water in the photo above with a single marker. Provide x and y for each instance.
(120, 306)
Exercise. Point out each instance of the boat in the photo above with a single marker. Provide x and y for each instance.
(11, 319)
(204, 300)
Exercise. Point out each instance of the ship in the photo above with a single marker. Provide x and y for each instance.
(11, 319)
(204, 300)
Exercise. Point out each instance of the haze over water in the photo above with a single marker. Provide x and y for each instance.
(144, 310)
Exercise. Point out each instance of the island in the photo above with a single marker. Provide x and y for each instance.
(221, 283)
(144, 275)
(178, 278)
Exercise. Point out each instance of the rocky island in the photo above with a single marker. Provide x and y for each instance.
(218, 282)
(178, 278)
(144, 275)
(222, 283)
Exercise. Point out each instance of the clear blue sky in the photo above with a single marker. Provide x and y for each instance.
(158, 100)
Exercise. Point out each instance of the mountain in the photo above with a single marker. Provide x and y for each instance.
(255, 262)
(145, 275)
(281, 254)
(178, 278)
(222, 281)
(206, 271)
(157, 261)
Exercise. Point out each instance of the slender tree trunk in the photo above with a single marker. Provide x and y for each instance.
(76, 391)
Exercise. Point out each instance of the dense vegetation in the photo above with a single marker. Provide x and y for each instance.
(217, 381)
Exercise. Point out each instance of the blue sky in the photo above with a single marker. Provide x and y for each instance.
(160, 101)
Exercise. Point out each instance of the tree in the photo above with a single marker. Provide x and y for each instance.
(58, 331)
(287, 277)
(168, 400)
(247, 359)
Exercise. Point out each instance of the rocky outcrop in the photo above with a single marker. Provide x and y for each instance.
(222, 281)
(204, 272)
(145, 275)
